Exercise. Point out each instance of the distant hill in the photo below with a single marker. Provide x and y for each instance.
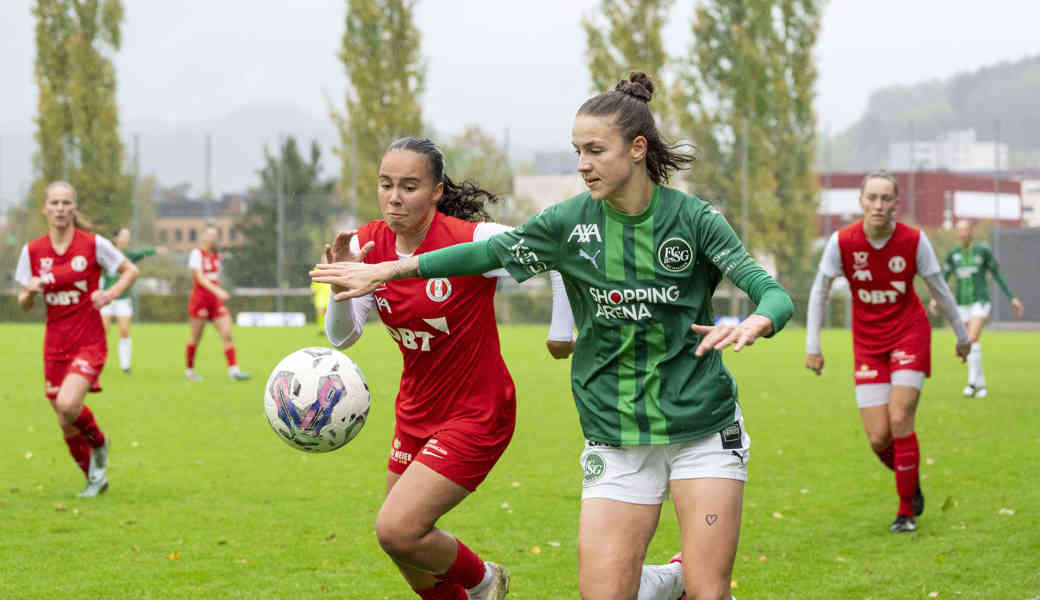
(1008, 92)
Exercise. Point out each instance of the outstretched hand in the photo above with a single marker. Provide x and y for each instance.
(339, 250)
(717, 337)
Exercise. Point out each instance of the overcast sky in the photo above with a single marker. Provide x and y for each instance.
(502, 64)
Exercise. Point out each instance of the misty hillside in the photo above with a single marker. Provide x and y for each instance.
(1008, 92)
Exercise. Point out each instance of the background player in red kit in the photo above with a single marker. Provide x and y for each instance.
(207, 304)
(456, 407)
(64, 267)
(891, 336)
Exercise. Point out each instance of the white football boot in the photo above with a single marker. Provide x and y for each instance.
(496, 588)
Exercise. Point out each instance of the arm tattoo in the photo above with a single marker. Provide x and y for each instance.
(404, 268)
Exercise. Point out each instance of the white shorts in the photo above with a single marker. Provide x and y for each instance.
(877, 394)
(120, 307)
(641, 474)
(970, 311)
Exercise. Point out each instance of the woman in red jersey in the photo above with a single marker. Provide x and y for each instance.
(207, 304)
(455, 411)
(64, 267)
(891, 336)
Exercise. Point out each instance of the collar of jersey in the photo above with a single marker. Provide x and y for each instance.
(633, 219)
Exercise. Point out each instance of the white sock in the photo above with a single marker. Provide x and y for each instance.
(232, 370)
(975, 376)
(125, 346)
(488, 575)
(661, 582)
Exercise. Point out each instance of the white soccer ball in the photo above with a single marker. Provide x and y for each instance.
(316, 399)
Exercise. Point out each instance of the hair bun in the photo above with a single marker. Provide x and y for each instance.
(638, 86)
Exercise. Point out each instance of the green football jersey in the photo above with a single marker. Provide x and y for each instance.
(133, 256)
(969, 267)
(635, 284)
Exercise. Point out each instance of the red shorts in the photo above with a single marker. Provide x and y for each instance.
(912, 353)
(87, 362)
(205, 306)
(463, 456)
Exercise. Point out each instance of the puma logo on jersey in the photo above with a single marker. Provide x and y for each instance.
(585, 233)
(591, 259)
(82, 285)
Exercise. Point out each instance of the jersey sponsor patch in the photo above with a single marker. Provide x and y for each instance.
(584, 232)
(865, 372)
(897, 264)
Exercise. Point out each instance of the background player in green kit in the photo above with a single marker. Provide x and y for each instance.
(658, 408)
(968, 263)
(122, 308)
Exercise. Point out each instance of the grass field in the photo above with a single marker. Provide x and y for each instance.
(205, 501)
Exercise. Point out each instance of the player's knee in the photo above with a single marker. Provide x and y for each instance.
(397, 537)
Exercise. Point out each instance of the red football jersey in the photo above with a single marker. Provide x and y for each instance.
(885, 307)
(209, 264)
(446, 330)
(68, 281)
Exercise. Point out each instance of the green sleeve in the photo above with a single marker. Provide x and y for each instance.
(994, 268)
(139, 253)
(721, 246)
(461, 259)
(531, 248)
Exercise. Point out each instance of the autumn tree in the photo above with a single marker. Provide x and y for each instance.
(745, 97)
(623, 36)
(77, 124)
(309, 208)
(386, 73)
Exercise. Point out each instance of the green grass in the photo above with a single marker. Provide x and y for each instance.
(207, 503)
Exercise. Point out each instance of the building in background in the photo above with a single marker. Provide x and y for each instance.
(181, 221)
(1031, 202)
(951, 151)
(927, 199)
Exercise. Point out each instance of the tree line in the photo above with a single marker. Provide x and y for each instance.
(741, 95)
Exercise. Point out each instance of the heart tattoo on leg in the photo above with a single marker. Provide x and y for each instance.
(710, 519)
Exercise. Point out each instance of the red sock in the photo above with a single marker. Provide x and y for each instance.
(89, 428)
(80, 451)
(887, 456)
(190, 354)
(444, 591)
(907, 459)
(229, 354)
(467, 570)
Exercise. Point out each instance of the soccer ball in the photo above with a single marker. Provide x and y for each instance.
(316, 400)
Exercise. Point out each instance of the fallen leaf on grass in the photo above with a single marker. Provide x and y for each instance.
(1006, 511)
(948, 504)
(733, 584)
(777, 515)
(536, 550)
(131, 522)
(554, 544)
(516, 484)
(762, 558)
(805, 491)
(929, 461)
(28, 455)
(242, 561)
(133, 444)
(933, 595)
(841, 559)
(173, 555)
(504, 505)
(222, 542)
(134, 549)
(75, 512)
(330, 537)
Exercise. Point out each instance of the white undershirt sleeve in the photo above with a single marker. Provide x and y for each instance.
(561, 328)
(108, 256)
(818, 296)
(23, 271)
(927, 261)
(947, 305)
(830, 268)
(345, 319)
(195, 260)
(486, 230)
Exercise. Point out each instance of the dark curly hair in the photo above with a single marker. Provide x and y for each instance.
(467, 200)
(628, 103)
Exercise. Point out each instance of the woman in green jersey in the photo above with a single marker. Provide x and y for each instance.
(968, 263)
(122, 308)
(659, 411)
